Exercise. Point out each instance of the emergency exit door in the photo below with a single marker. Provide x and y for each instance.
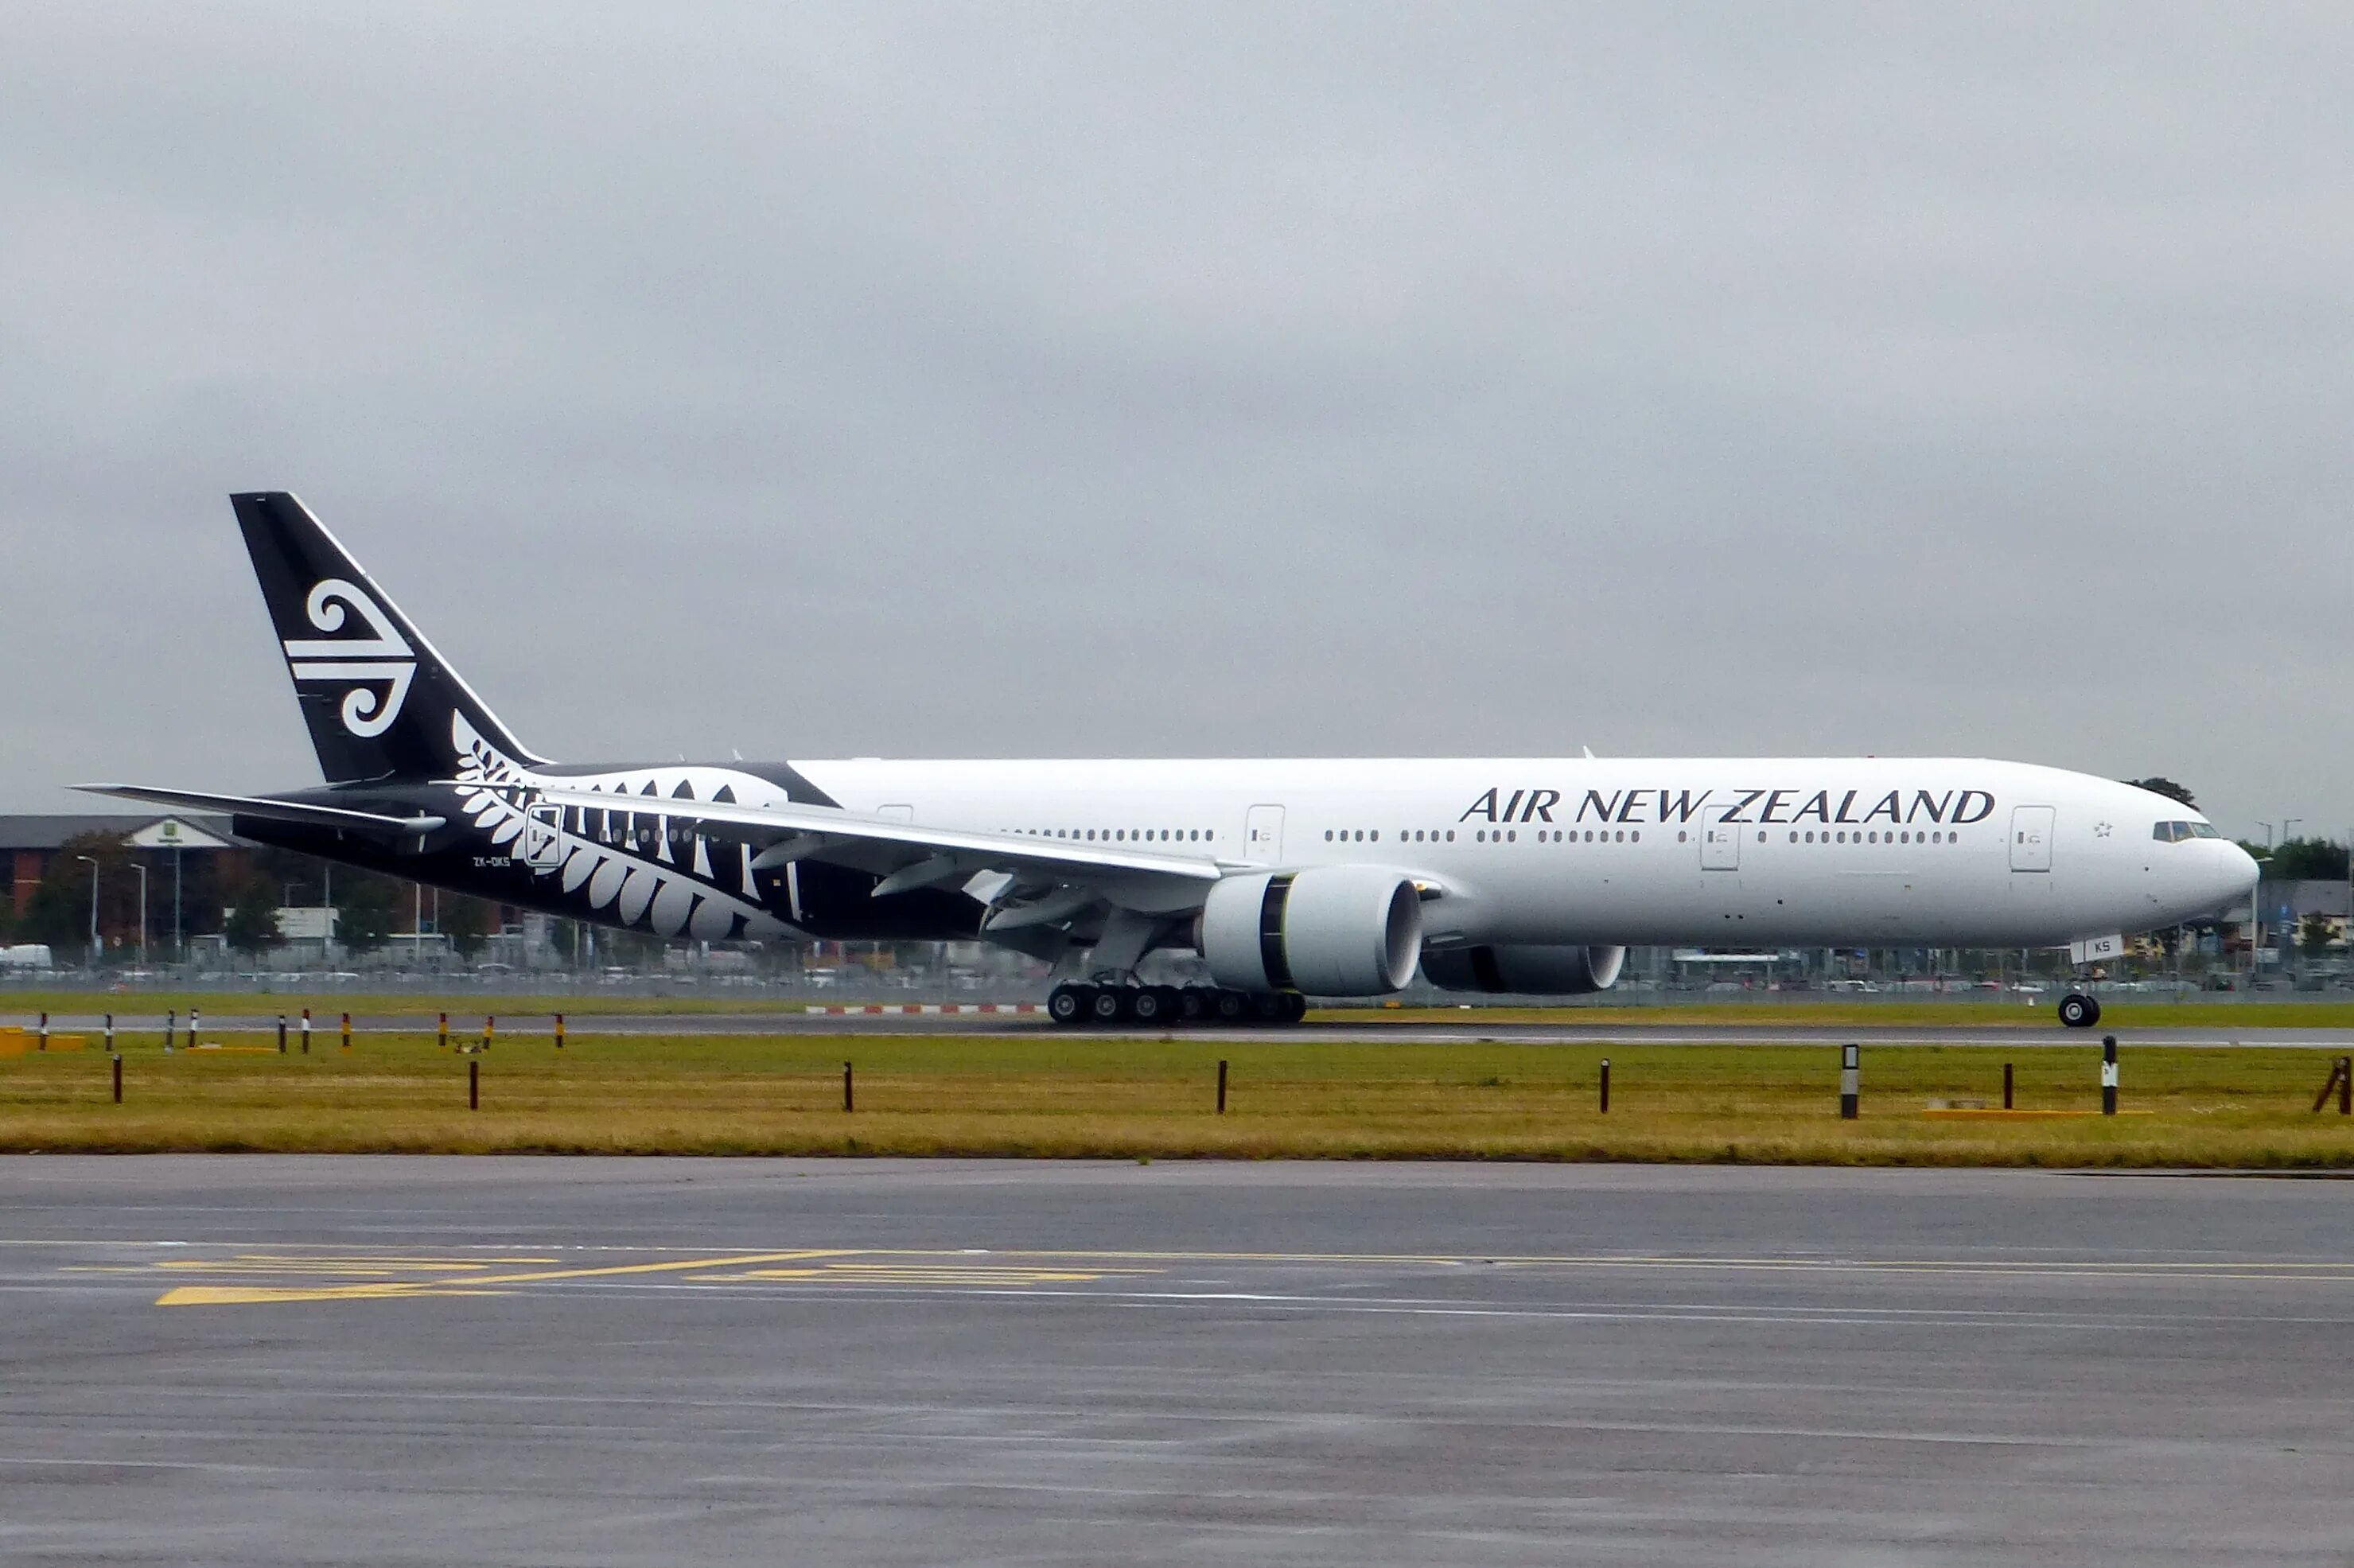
(1263, 835)
(1720, 841)
(543, 837)
(2030, 838)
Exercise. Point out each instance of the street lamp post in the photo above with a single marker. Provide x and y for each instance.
(94, 950)
(143, 915)
(2287, 823)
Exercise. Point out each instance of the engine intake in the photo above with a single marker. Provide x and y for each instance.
(1341, 930)
(1525, 971)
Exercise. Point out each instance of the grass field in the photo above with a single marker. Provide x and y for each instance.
(1054, 1096)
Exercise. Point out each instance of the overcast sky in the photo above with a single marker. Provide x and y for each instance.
(1140, 380)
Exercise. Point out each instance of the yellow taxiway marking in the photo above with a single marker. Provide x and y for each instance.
(466, 1285)
(347, 1278)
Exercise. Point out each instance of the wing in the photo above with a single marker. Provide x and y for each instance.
(1027, 880)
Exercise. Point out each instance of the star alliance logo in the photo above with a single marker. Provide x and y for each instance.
(382, 659)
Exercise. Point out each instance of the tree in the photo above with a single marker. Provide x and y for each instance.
(2314, 934)
(364, 916)
(250, 925)
(466, 923)
(2307, 860)
(59, 912)
(2166, 787)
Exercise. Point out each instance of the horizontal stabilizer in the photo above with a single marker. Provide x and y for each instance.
(337, 817)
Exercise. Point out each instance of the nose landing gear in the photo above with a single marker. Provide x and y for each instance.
(2078, 1011)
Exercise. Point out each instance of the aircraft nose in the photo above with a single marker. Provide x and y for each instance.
(2235, 876)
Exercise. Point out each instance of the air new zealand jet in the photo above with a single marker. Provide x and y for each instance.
(1264, 881)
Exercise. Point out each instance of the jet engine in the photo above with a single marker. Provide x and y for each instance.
(1340, 930)
(1525, 971)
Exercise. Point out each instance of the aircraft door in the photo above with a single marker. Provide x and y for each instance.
(1263, 835)
(2030, 838)
(1720, 843)
(543, 837)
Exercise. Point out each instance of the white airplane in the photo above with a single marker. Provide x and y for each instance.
(1275, 880)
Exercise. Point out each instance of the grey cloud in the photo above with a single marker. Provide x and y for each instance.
(1197, 379)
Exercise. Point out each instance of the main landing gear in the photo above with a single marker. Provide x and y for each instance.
(2078, 1011)
(1160, 1006)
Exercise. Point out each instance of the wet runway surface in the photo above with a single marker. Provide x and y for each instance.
(316, 1361)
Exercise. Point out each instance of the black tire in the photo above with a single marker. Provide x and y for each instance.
(1113, 1004)
(1230, 1006)
(1068, 1005)
(1151, 1005)
(2078, 1011)
(1296, 1007)
(1271, 1007)
(1194, 1004)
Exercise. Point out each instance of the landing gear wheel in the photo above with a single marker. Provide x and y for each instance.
(1271, 1007)
(1193, 1003)
(1070, 1004)
(1113, 1004)
(1153, 1005)
(2078, 1011)
(1229, 1006)
(1295, 1008)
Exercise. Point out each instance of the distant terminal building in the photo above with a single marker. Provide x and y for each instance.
(30, 844)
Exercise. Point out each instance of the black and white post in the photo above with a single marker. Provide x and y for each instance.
(1850, 1076)
(2108, 1075)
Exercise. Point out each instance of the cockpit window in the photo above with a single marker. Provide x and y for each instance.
(2204, 831)
(2175, 833)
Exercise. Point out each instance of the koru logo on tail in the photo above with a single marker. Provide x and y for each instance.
(378, 666)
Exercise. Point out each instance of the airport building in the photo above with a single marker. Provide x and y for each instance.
(31, 844)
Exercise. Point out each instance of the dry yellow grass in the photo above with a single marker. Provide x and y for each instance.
(1053, 1095)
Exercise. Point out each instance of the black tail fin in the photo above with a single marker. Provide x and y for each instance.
(380, 703)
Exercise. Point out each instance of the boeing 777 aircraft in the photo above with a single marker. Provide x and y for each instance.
(1276, 879)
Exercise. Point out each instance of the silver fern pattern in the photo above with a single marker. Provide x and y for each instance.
(641, 885)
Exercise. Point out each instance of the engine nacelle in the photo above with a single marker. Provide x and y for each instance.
(1337, 930)
(1525, 971)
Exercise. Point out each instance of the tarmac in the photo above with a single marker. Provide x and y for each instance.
(302, 1359)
